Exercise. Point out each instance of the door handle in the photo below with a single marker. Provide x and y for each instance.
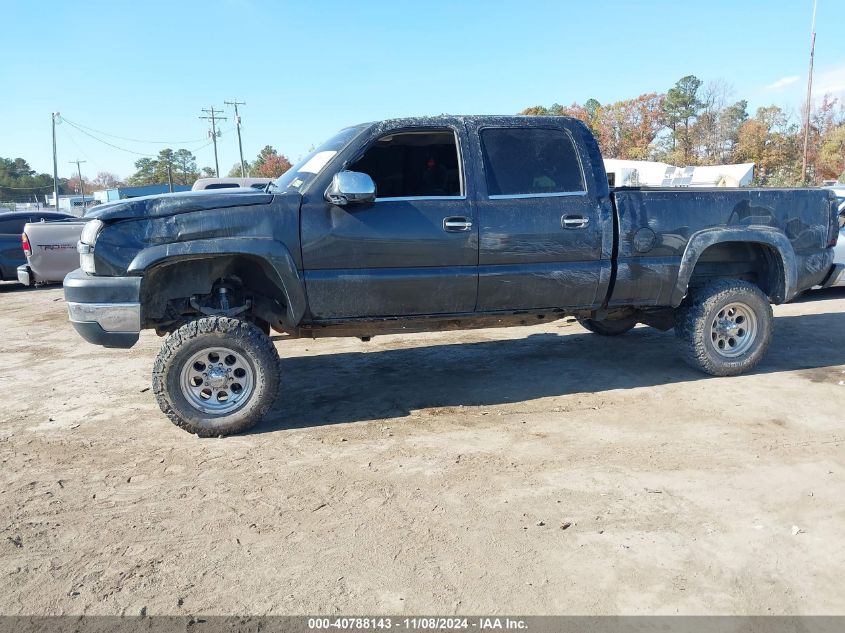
(457, 224)
(574, 221)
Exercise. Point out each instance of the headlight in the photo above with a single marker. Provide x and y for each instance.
(90, 232)
(85, 248)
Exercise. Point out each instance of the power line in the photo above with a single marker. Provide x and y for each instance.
(72, 139)
(134, 140)
(130, 151)
(122, 149)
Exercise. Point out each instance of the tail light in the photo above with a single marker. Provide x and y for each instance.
(27, 250)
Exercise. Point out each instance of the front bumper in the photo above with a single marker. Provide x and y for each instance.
(104, 310)
(25, 275)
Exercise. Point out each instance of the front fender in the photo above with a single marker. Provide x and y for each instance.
(273, 254)
(767, 236)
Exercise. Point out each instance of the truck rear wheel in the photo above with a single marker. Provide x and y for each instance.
(725, 327)
(609, 327)
(216, 376)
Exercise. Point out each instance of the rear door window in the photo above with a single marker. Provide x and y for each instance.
(530, 161)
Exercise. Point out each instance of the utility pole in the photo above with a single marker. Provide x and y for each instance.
(56, 115)
(236, 103)
(81, 184)
(212, 116)
(809, 96)
(169, 178)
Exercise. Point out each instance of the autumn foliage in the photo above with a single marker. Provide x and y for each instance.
(269, 164)
(697, 124)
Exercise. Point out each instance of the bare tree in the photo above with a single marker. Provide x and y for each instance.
(106, 180)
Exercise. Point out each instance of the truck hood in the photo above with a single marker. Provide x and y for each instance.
(174, 203)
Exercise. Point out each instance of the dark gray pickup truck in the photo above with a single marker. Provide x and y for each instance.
(436, 223)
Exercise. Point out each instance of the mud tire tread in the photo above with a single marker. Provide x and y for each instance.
(693, 316)
(228, 331)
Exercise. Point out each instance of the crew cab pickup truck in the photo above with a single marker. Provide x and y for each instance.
(436, 223)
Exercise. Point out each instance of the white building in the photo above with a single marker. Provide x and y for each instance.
(645, 173)
(71, 203)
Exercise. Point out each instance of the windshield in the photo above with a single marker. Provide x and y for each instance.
(300, 175)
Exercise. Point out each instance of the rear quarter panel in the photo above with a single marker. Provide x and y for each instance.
(656, 227)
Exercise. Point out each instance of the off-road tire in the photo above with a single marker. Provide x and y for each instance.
(609, 327)
(242, 337)
(696, 326)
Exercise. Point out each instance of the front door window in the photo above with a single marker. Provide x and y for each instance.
(417, 164)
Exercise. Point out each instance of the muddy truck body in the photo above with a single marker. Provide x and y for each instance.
(432, 224)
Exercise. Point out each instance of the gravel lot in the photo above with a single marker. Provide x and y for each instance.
(528, 470)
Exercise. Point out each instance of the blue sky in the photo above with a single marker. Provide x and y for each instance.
(143, 70)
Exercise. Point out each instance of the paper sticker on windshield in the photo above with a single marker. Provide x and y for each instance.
(317, 162)
(296, 184)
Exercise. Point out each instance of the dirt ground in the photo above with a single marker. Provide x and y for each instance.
(541, 470)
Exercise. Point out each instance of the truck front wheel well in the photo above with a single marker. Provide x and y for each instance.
(174, 292)
(755, 262)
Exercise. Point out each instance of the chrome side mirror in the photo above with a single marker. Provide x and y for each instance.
(349, 187)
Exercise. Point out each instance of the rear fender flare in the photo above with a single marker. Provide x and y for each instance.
(766, 236)
(273, 254)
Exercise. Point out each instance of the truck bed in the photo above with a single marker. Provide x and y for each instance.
(655, 225)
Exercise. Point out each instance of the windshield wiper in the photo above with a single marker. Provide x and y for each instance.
(272, 183)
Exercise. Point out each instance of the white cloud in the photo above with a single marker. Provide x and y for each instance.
(783, 82)
(830, 80)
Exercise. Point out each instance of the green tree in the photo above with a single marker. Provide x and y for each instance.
(145, 172)
(681, 107)
(151, 171)
(184, 167)
(20, 183)
(165, 159)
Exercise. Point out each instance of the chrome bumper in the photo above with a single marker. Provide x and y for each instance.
(24, 275)
(111, 317)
